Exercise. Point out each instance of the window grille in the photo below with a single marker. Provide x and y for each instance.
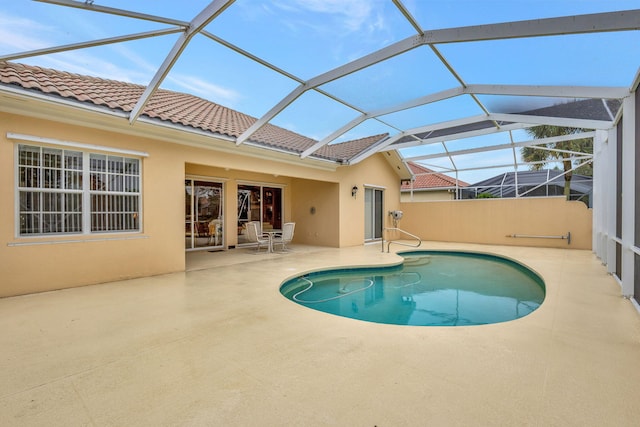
(54, 194)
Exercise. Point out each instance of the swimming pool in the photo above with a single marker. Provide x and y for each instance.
(430, 288)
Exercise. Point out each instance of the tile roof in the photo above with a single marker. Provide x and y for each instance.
(428, 179)
(175, 107)
(347, 150)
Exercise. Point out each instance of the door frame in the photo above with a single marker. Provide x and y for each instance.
(212, 180)
(373, 213)
(261, 210)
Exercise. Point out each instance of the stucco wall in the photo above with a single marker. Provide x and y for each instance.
(41, 263)
(489, 221)
(373, 172)
(315, 211)
(33, 264)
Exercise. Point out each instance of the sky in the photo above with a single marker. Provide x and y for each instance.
(305, 38)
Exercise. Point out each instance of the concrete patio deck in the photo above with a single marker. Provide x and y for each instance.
(219, 346)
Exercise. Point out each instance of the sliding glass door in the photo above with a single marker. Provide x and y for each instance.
(259, 203)
(373, 213)
(203, 215)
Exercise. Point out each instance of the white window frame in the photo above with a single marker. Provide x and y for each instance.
(87, 151)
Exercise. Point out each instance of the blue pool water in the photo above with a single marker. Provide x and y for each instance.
(431, 288)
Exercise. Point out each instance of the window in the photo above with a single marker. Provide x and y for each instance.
(63, 191)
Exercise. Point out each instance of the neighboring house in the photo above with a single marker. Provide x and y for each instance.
(542, 183)
(90, 197)
(428, 185)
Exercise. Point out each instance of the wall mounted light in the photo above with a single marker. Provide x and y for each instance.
(354, 191)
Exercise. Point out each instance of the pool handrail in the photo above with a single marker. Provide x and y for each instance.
(389, 242)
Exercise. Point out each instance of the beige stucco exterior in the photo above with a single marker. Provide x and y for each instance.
(317, 196)
(35, 264)
(490, 221)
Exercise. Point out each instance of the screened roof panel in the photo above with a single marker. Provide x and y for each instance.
(217, 78)
(481, 141)
(592, 109)
(98, 61)
(184, 11)
(327, 116)
(310, 38)
(135, 61)
(399, 79)
(450, 132)
(519, 104)
(491, 163)
(367, 127)
(504, 184)
(326, 69)
(459, 13)
(435, 112)
(434, 149)
(572, 60)
(440, 165)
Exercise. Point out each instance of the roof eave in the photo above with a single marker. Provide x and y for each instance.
(27, 102)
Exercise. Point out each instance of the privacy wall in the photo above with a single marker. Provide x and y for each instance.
(491, 221)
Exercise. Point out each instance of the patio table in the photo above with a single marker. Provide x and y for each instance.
(271, 233)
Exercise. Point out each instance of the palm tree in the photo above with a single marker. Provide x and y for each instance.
(533, 154)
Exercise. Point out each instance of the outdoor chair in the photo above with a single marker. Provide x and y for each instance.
(253, 236)
(286, 237)
(215, 231)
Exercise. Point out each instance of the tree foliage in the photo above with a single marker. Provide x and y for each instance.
(544, 157)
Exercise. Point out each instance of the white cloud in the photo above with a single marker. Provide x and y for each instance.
(355, 14)
(350, 15)
(207, 90)
(22, 34)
